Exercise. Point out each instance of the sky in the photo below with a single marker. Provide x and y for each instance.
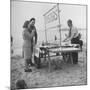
(22, 11)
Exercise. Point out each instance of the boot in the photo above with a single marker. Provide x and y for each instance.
(37, 62)
(30, 62)
(27, 68)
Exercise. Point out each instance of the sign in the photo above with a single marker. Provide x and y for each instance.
(51, 15)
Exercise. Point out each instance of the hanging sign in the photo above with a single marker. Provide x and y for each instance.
(51, 15)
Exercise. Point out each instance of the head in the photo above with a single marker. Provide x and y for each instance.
(31, 22)
(20, 84)
(69, 22)
(26, 24)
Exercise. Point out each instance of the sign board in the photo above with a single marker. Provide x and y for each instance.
(52, 24)
(51, 15)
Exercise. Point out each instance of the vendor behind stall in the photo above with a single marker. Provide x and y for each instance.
(74, 37)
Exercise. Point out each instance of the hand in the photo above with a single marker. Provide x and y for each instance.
(33, 31)
(66, 35)
(64, 40)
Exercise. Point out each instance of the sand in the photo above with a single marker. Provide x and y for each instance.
(61, 74)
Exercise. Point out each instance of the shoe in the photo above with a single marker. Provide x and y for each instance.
(32, 64)
(75, 63)
(38, 66)
(28, 70)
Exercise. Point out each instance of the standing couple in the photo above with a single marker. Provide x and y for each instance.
(30, 40)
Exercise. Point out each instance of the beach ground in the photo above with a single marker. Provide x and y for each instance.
(62, 74)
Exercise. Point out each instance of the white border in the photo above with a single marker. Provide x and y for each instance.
(5, 43)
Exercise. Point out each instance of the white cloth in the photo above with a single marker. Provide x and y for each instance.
(36, 51)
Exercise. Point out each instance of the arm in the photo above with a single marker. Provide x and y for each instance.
(69, 38)
(73, 33)
(35, 37)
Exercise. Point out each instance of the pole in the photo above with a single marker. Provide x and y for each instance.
(59, 22)
(45, 29)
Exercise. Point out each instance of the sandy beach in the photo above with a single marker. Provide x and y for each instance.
(62, 74)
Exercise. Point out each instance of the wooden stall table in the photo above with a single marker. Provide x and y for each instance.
(60, 49)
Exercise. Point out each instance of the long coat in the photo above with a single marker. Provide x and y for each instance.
(27, 46)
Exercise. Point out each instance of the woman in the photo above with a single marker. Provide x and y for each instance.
(74, 37)
(28, 35)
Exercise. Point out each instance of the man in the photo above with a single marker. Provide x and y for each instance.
(74, 37)
(32, 27)
(34, 39)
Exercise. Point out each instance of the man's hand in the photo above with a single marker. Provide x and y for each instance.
(64, 40)
(66, 35)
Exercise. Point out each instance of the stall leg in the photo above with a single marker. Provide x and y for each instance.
(49, 61)
(71, 58)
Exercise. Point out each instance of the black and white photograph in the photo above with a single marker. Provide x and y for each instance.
(48, 44)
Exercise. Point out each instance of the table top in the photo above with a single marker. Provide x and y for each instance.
(67, 48)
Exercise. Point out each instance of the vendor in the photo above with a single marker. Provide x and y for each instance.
(74, 37)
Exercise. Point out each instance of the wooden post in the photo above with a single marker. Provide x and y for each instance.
(45, 21)
(59, 22)
(49, 61)
(45, 29)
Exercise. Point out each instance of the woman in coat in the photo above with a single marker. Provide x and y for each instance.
(28, 35)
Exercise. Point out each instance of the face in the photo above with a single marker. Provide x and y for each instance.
(31, 23)
(69, 24)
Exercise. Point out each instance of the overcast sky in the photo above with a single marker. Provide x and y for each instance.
(21, 11)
